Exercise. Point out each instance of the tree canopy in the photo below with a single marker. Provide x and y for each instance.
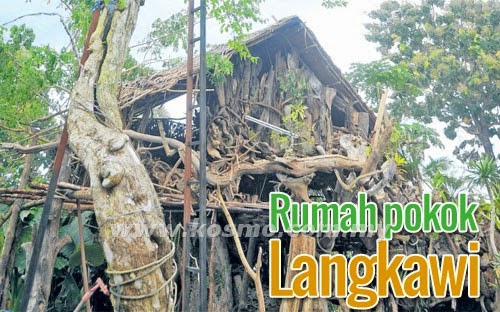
(31, 80)
(441, 59)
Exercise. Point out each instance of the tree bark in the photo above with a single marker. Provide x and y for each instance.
(300, 245)
(40, 292)
(221, 285)
(8, 249)
(483, 135)
(124, 198)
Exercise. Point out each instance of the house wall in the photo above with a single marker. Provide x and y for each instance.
(278, 89)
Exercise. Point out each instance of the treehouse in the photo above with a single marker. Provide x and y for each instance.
(292, 101)
(286, 121)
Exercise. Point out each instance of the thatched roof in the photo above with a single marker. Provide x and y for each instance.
(168, 84)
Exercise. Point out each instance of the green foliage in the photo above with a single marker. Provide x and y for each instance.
(297, 112)
(220, 66)
(281, 140)
(446, 185)
(485, 208)
(27, 72)
(80, 17)
(67, 283)
(485, 173)
(496, 267)
(31, 80)
(94, 255)
(330, 4)
(69, 296)
(293, 87)
(3, 210)
(450, 48)
(236, 18)
(169, 33)
(28, 220)
(133, 70)
(65, 299)
(29, 77)
(373, 78)
(408, 142)
(237, 45)
(440, 164)
(122, 4)
(437, 184)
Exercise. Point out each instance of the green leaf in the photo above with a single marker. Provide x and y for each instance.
(93, 253)
(69, 295)
(330, 4)
(60, 263)
(71, 229)
(220, 66)
(450, 50)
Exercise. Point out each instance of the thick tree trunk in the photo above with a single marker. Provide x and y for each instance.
(40, 291)
(300, 245)
(140, 261)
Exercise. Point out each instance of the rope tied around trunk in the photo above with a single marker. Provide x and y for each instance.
(116, 288)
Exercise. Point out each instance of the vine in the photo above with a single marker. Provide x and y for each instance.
(293, 87)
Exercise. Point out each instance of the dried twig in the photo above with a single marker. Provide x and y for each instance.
(255, 276)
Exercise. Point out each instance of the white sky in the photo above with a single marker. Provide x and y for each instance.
(340, 31)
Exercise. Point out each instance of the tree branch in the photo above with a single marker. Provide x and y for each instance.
(61, 19)
(28, 149)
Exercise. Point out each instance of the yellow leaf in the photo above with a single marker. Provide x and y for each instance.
(400, 160)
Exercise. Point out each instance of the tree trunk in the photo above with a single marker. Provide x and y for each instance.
(8, 249)
(42, 283)
(140, 261)
(220, 285)
(483, 135)
(300, 245)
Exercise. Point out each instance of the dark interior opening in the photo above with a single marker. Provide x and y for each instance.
(260, 185)
(338, 116)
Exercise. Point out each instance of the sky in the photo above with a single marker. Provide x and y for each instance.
(340, 31)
